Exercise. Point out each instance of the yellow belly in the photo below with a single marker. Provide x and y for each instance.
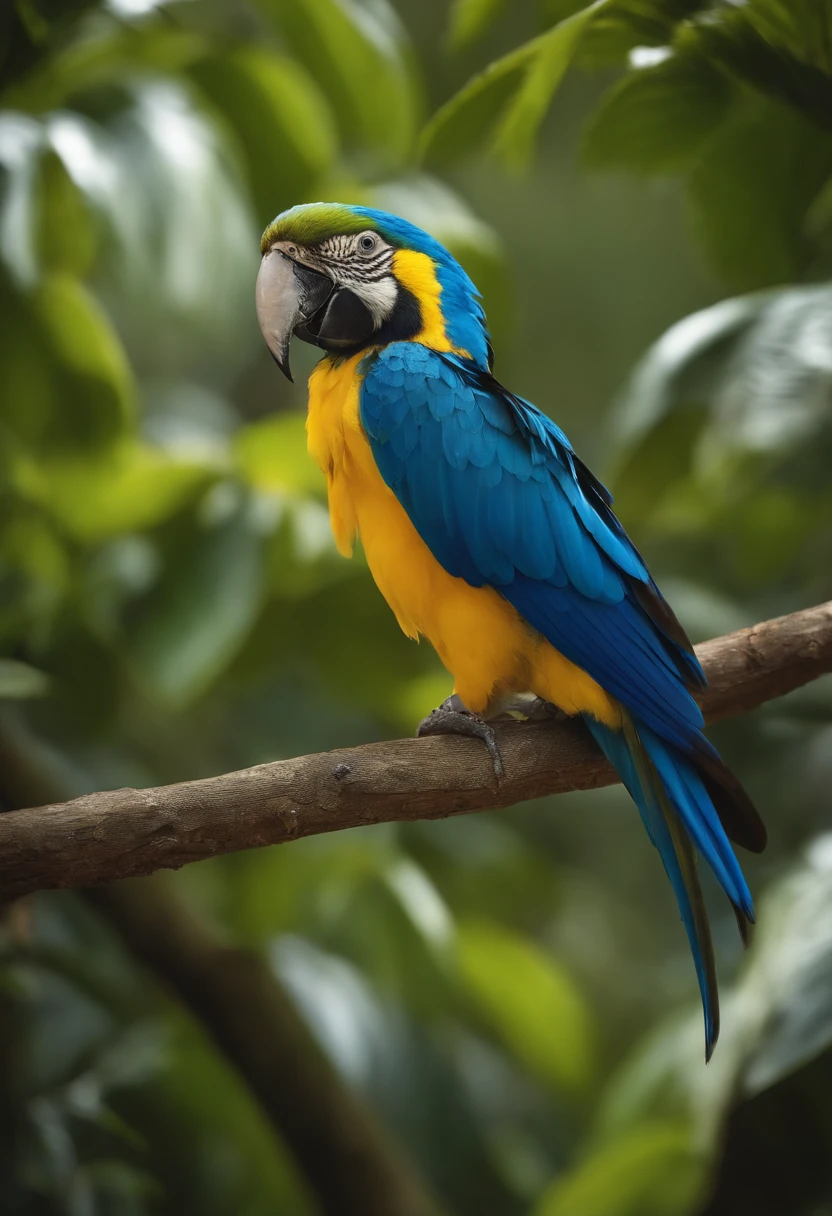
(485, 644)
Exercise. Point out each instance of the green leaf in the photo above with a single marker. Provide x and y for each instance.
(652, 1170)
(530, 1002)
(554, 11)
(35, 572)
(187, 630)
(19, 681)
(518, 126)
(65, 236)
(271, 101)
(96, 394)
(728, 392)
(752, 189)
(127, 488)
(65, 382)
(272, 456)
(360, 58)
(461, 124)
(656, 119)
(209, 1143)
(627, 24)
(119, 52)
(788, 985)
(759, 45)
(470, 18)
(512, 94)
(754, 363)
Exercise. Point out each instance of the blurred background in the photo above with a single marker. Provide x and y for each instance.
(510, 993)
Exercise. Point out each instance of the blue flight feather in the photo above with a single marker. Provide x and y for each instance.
(616, 748)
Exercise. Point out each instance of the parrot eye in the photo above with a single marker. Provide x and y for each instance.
(367, 242)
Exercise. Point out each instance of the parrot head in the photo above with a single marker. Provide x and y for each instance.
(345, 278)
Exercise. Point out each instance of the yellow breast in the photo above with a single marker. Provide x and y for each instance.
(479, 637)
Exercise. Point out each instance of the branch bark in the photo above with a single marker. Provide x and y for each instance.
(124, 833)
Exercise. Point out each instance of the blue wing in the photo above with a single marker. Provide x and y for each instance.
(497, 494)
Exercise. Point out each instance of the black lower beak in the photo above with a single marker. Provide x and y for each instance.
(344, 323)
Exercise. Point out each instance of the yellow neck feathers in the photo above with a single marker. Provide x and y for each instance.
(417, 273)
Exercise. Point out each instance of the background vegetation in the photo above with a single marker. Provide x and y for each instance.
(512, 992)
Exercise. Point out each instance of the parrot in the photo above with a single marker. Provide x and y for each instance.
(488, 535)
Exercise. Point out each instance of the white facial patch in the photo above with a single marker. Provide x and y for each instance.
(379, 296)
(365, 272)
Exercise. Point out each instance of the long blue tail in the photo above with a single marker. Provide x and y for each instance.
(676, 799)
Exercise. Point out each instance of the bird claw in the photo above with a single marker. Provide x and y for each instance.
(452, 718)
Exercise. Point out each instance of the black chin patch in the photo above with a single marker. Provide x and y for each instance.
(343, 324)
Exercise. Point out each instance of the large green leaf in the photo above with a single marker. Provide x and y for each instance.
(129, 487)
(517, 129)
(358, 54)
(625, 25)
(393, 923)
(751, 191)
(511, 95)
(64, 234)
(166, 183)
(656, 119)
(747, 378)
(96, 381)
(530, 1002)
(651, 1170)
(185, 632)
(115, 52)
(35, 575)
(789, 982)
(280, 117)
(781, 51)
(21, 680)
(66, 382)
(272, 456)
(470, 18)
(459, 127)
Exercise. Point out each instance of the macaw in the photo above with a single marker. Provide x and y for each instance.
(488, 535)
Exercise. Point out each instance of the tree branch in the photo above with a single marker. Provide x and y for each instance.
(123, 833)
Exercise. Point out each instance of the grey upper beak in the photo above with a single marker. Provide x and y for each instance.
(286, 295)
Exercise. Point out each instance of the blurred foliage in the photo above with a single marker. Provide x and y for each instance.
(512, 992)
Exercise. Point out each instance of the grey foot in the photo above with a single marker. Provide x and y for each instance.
(452, 718)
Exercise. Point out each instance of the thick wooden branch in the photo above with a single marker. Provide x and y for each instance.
(123, 833)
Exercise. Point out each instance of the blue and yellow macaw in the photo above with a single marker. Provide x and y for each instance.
(487, 535)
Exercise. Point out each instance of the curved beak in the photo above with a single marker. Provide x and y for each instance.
(287, 295)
